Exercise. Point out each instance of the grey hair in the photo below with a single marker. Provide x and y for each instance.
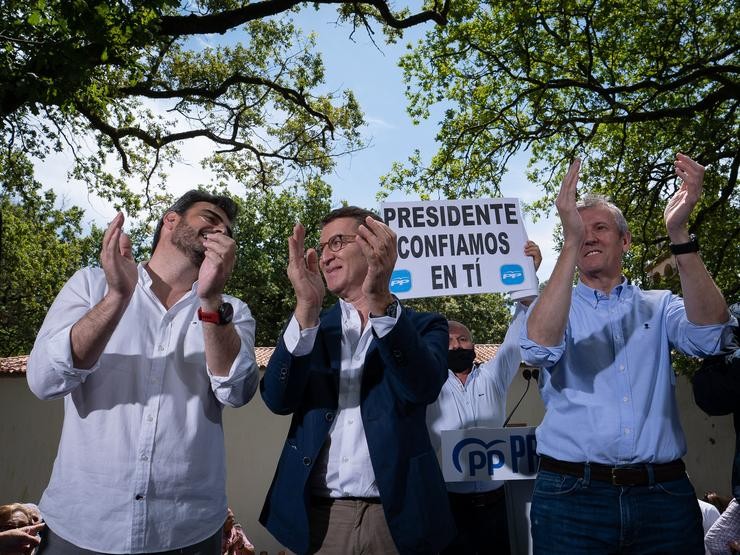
(451, 323)
(594, 201)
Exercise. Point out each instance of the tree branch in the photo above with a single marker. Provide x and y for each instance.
(221, 22)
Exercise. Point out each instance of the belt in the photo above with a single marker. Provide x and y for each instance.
(482, 499)
(326, 501)
(625, 475)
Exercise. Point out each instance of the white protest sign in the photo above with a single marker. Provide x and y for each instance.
(457, 247)
(479, 454)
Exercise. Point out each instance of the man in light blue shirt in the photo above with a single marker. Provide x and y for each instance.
(475, 396)
(611, 479)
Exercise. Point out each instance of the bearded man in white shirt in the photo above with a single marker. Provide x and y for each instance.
(145, 357)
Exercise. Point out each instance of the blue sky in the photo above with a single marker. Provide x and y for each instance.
(373, 74)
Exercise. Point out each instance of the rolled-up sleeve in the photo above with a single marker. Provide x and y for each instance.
(51, 373)
(535, 354)
(693, 339)
(239, 386)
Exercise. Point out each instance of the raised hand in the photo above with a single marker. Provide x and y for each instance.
(533, 249)
(117, 260)
(573, 230)
(21, 540)
(304, 275)
(218, 263)
(378, 244)
(680, 206)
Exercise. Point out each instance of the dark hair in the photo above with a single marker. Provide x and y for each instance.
(354, 212)
(191, 197)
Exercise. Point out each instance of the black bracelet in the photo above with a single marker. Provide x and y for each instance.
(683, 248)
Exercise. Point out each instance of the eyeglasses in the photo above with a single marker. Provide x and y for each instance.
(335, 243)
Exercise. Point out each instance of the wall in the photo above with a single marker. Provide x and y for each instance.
(30, 428)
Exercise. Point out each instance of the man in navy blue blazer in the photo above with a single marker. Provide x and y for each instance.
(357, 472)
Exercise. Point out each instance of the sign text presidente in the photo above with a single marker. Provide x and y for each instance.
(458, 246)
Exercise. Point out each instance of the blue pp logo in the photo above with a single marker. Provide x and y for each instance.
(400, 281)
(512, 274)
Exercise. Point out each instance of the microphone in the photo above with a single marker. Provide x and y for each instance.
(528, 375)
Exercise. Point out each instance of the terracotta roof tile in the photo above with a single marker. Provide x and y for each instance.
(16, 366)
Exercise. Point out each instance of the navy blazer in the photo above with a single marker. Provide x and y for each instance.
(404, 372)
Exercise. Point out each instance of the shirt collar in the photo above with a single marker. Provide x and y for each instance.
(623, 291)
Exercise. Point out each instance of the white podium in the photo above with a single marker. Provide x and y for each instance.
(509, 454)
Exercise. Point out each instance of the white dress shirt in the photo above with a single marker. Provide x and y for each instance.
(141, 464)
(478, 403)
(343, 468)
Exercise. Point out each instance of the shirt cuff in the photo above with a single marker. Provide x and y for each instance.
(299, 342)
(59, 353)
(535, 354)
(382, 325)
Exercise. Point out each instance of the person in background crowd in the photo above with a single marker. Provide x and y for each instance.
(19, 528)
(475, 396)
(717, 392)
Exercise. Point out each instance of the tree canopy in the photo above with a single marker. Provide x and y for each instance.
(41, 246)
(624, 85)
(132, 81)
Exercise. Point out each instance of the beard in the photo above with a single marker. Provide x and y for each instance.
(188, 242)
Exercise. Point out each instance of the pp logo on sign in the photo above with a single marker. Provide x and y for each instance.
(480, 459)
(512, 274)
(400, 281)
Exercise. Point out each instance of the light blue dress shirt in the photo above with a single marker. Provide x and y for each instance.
(480, 402)
(609, 388)
(141, 461)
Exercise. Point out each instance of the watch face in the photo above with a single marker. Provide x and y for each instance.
(226, 311)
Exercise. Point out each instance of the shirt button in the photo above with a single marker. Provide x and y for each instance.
(160, 348)
(626, 399)
(329, 416)
(627, 431)
(307, 461)
(350, 422)
(621, 367)
(345, 459)
(144, 458)
(149, 418)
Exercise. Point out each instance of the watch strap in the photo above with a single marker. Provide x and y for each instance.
(682, 248)
(390, 310)
(223, 316)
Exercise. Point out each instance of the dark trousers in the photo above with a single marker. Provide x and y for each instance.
(51, 544)
(482, 525)
(580, 516)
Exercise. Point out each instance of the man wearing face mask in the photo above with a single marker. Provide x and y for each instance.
(475, 396)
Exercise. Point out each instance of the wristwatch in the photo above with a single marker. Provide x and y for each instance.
(683, 248)
(223, 316)
(390, 310)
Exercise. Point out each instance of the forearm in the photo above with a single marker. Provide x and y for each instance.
(222, 345)
(549, 317)
(703, 300)
(90, 335)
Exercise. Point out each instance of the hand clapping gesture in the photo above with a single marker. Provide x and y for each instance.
(680, 206)
(378, 244)
(304, 275)
(573, 229)
(117, 260)
(218, 263)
